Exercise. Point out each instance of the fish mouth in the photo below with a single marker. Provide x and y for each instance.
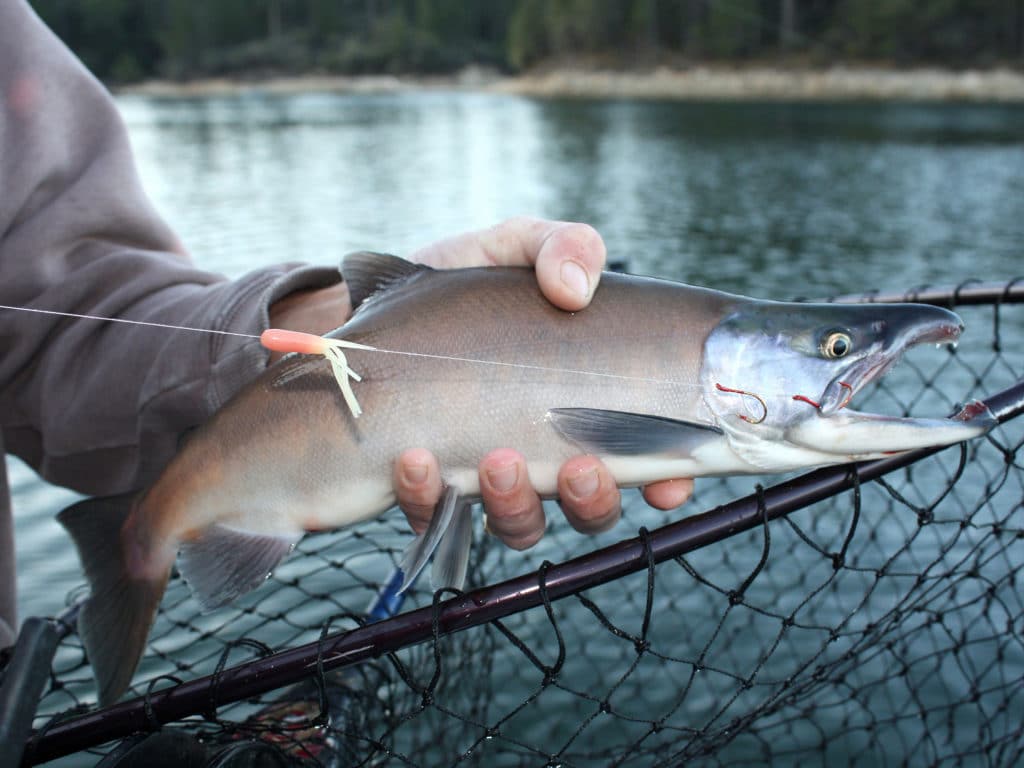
(842, 389)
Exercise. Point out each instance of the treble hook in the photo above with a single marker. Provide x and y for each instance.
(764, 405)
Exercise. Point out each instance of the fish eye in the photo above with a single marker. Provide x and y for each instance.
(836, 344)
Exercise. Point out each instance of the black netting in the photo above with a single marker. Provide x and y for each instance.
(883, 625)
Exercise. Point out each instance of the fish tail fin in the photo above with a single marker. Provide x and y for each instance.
(115, 620)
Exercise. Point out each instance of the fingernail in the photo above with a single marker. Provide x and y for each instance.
(574, 277)
(414, 474)
(503, 479)
(584, 485)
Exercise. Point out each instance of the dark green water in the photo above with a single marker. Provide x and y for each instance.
(741, 197)
(770, 200)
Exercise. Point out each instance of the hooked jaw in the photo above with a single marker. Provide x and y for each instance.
(790, 344)
(857, 435)
(943, 328)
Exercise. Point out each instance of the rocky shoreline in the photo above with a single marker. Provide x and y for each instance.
(838, 83)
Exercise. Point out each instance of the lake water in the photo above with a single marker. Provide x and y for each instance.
(776, 201)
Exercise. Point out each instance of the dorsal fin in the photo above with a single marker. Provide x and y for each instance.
(368, 273)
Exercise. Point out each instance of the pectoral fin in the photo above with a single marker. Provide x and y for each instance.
(298, 370)
(618, 433)
(450, 535)
(223, 562)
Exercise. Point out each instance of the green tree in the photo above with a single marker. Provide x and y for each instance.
(528, 40)
(643, 24)
(787, 24)
(733, 29)
(127, 39)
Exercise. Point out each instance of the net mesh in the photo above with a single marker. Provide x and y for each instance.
(884, 625)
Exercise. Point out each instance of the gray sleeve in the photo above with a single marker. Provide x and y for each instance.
(8, 601)
(95, 406)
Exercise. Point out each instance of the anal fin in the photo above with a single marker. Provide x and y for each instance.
(224, 563)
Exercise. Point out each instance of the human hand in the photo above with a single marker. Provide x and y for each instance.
(568, 259)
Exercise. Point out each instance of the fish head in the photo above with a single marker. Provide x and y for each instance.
(779, 379)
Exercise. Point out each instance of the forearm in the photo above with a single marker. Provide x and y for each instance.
(97, 406)
(100, 407)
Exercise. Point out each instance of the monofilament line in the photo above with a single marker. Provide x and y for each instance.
(344, 373)
(527, 366)
(452, 358)
(130, 322)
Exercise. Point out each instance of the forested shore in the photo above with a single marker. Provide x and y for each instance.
(125, 41)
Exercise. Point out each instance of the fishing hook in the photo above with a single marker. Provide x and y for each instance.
(764, 405)
(849, 395)
(816, 404)
(806, 399)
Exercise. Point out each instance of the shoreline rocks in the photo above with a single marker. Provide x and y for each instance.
(697, 83)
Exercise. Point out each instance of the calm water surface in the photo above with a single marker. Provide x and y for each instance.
(771, 200)
(746, 198)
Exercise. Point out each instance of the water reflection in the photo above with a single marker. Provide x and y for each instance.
(746, 197)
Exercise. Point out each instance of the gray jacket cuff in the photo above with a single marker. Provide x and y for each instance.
(191, 377)
(237, 361)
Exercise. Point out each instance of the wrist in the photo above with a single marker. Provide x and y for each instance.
(311, 310)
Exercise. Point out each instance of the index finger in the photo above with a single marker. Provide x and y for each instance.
(568, 257)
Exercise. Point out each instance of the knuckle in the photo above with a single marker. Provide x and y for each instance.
(519, 525)
(525, 541)
(594, 517)
(586, 238)
(596, 508)
(512, 516)
(422, 497)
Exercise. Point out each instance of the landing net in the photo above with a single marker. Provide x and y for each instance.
(843, 616)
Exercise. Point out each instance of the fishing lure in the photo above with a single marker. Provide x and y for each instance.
(333, 350)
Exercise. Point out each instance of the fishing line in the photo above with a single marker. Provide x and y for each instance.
(130, 322)
(332, 350)
(527, 366)
(451, 358)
